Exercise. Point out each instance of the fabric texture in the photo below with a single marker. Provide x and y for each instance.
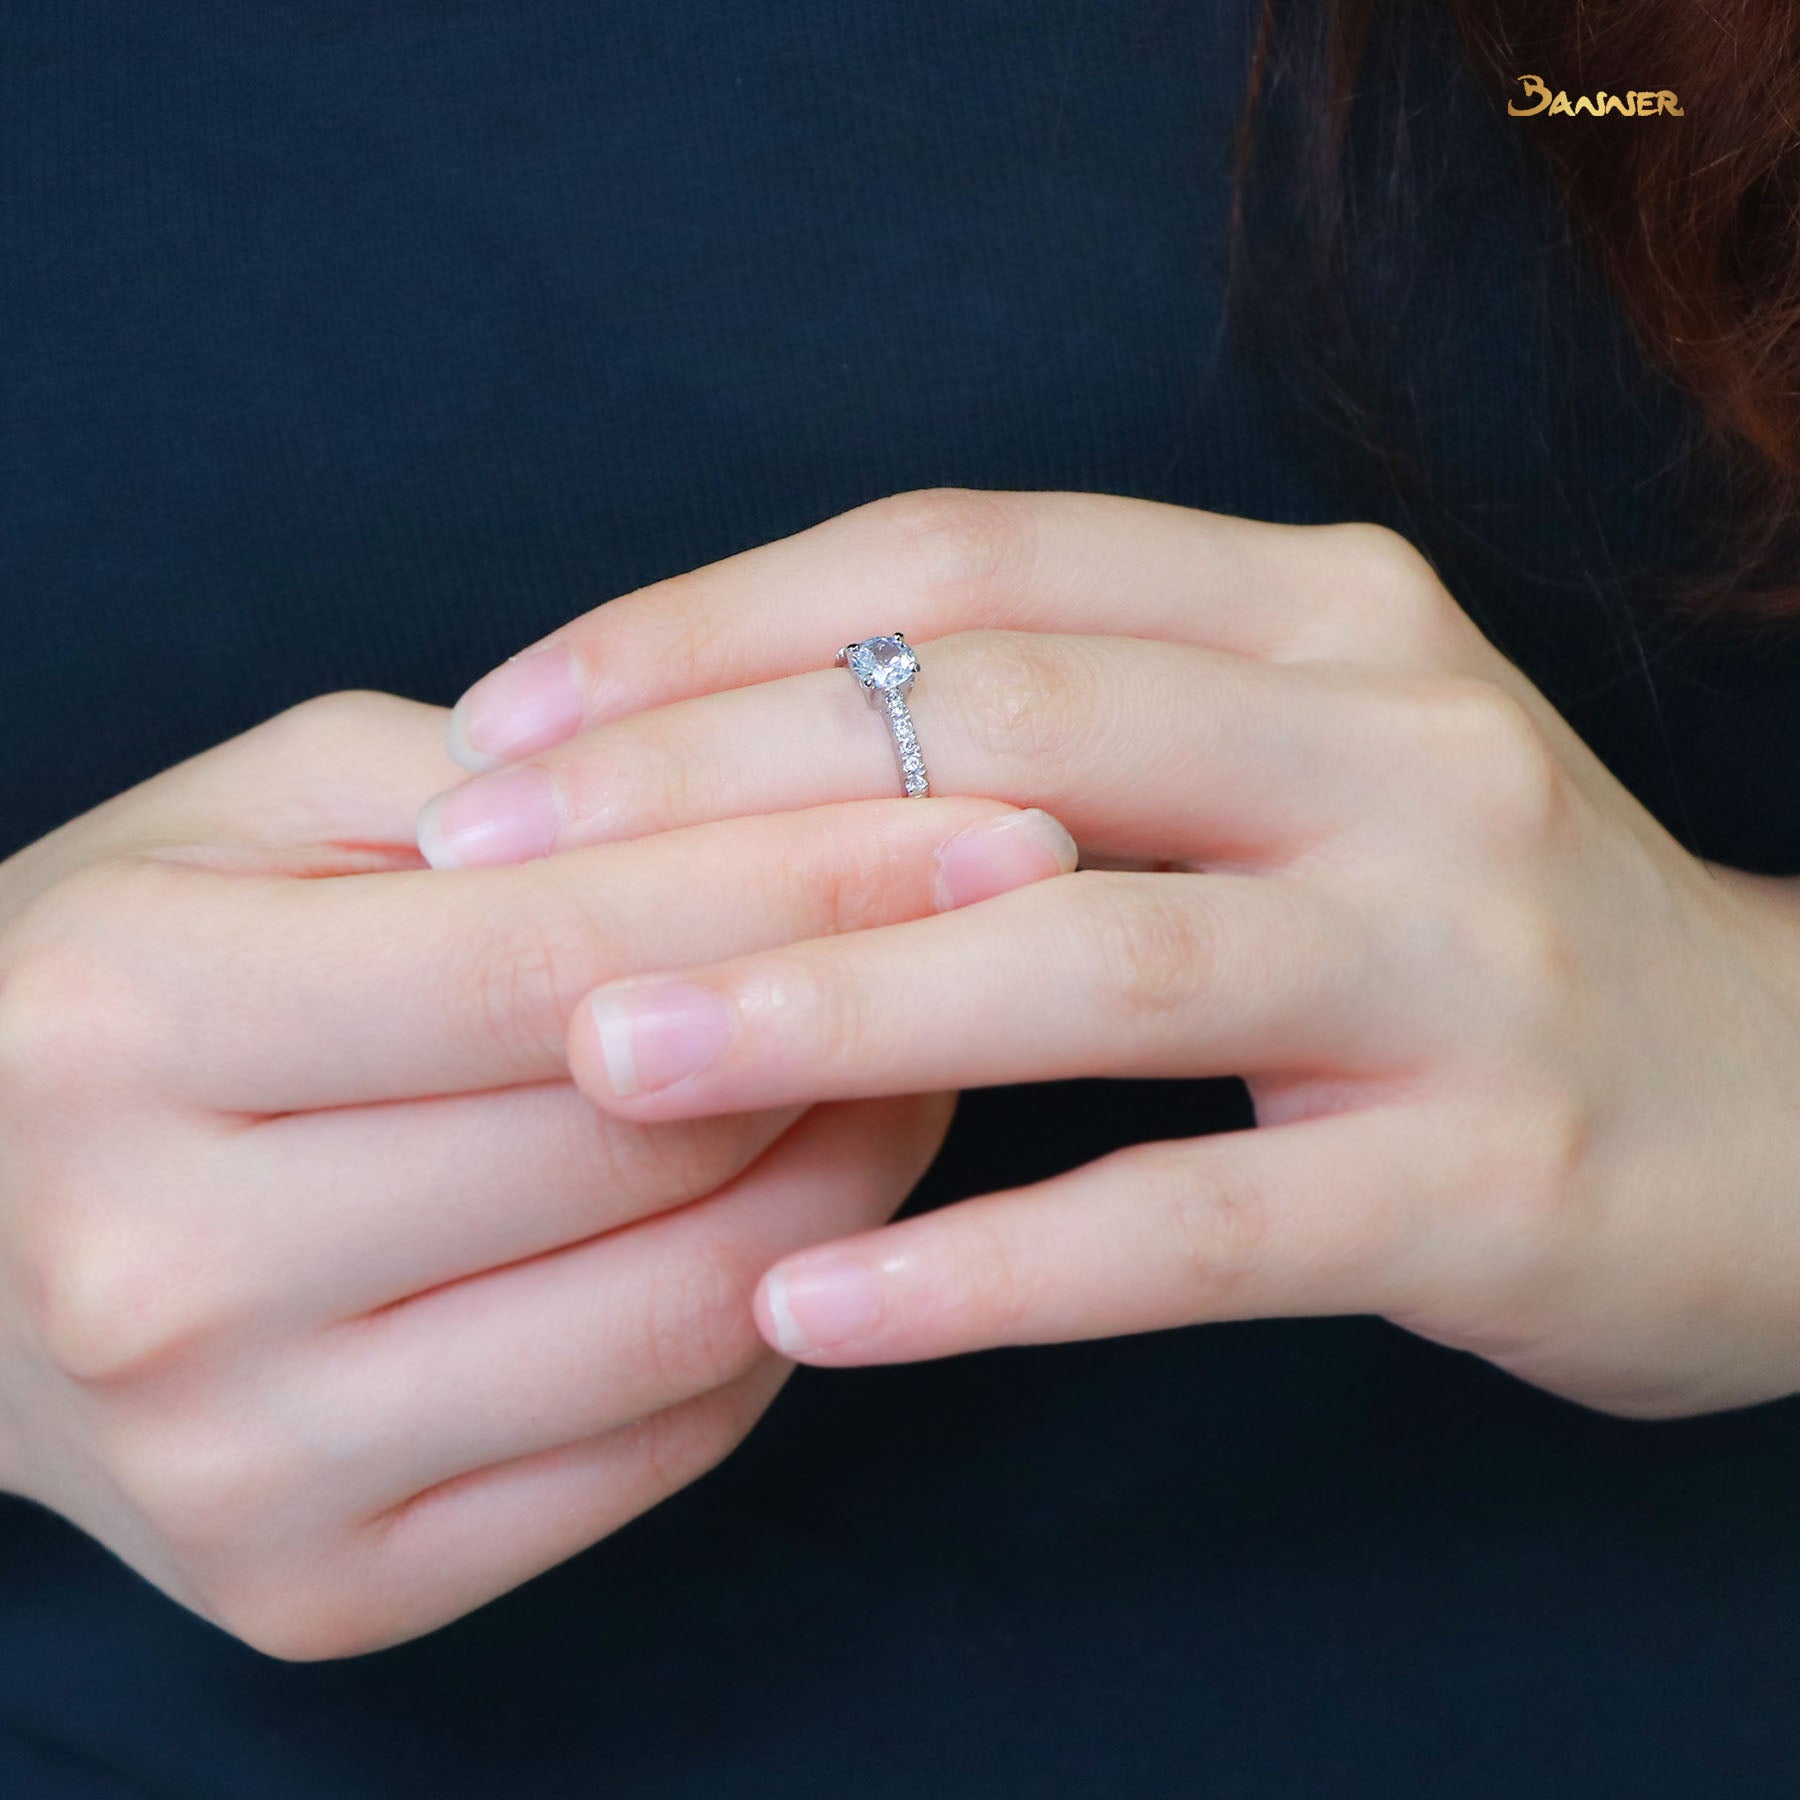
(358, 346)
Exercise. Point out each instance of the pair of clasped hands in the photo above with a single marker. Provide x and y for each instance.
(410, 1174)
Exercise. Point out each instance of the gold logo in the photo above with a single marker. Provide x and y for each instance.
(1642, 104)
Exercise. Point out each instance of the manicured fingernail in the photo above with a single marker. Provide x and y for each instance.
(1002, 853)
(819, 1304)
(506, 818)
(525, 705)
(655, 1033)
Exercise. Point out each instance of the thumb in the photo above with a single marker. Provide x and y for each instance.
(346, 770)
(330, 786)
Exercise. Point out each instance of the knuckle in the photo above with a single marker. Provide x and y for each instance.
(814, 1007)
(903, 1134)
(698, 634)
(70, 1021)
(320, 727)
(108, 1305)
(105, 1295)
(1387, 556)
(1550, 1142)
(55, 1023)
(1529, 960)
(207, 1486)
(681, 1443)
(700, 1332)
(91, 904)
(1524, 1167)
(1025, 697)
(655, 770)
(1388, 587)
(329, 716)
(650, 1165)
(964, 544)
(1484, 742)
(1151, 945)
(999, 1288)
(661, 1439)
(1216, 1218)
(94, 896)
(283, 778)
(847, 886)
(519, 976)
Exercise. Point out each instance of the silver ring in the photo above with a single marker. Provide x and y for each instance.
(885, 667)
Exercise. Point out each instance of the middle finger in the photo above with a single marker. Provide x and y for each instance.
(564, 1347)
(381, 1202)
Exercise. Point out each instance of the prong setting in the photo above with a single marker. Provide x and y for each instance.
(884, 667)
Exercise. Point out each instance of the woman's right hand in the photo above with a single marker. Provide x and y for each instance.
(326, 1301)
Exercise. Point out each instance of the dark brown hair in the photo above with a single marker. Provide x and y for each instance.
(1693, 222)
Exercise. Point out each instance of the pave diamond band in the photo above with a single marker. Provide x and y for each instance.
(885, 667)
(906, 743)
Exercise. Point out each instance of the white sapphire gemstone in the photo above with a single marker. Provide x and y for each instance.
(882, 662)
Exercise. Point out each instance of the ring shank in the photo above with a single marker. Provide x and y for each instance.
(906, 744)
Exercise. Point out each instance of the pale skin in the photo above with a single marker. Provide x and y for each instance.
(1524, 1069)
(327, 1301)
(342, 1289)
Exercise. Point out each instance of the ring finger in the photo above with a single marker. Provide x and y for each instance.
(1139, 747)
(567, 1346)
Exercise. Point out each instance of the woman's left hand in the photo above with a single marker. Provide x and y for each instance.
(1524, 1069)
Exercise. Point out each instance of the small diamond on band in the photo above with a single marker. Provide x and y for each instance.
(885, 666)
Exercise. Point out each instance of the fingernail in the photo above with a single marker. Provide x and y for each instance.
(1000, 854)
(525, 705)
(655, 1033)
(820, 1304)
(506, 818)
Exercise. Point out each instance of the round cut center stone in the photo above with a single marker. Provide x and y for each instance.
(883, 662)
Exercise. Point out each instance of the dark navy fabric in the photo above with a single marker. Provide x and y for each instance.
(345, 345)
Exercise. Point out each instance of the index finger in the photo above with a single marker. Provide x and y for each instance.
(267, 994)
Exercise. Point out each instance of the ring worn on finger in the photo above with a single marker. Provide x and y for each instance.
(885, 667)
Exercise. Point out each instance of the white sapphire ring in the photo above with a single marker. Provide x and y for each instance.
(886, 666)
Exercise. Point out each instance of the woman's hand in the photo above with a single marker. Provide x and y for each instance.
(1525, 1071)
(326, 1301)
